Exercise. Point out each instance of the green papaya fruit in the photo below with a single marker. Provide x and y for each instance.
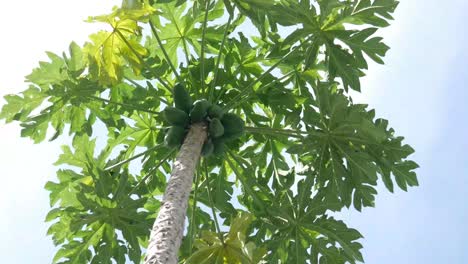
(233, 126)
(208, 148)
(199, 110)
(215, 111)
(218, 147)
(175, 116)
(182, 99)
(230, 136)
(174, 137)
(216, 129)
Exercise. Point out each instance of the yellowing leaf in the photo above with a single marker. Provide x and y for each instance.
(88, 180)
(110, 51)
(234, 249)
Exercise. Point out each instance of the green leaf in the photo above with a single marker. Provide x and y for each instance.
(360, 42)
(344, 65)
(182, 30)
(67, 188)
(300, 233)
(49, 72)
(76, 63)
(352, 149)
(20, 107)
(376, 13)
(94, 206)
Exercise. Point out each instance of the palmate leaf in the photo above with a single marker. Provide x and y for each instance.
(142, 134)
(182, 29)
(299, 230)
(57, 97)
(110, 51)
(344, 65)
(245, 56)
(349, 66)
(233, 249)
(94, 207)
(294, 225)
(359, 43)
(53, 72)
(256, 11)
(221, 191)
(20, 107)
(350, 149)
(334, 14)
(343, 147)
(66, 190)
(326, 26)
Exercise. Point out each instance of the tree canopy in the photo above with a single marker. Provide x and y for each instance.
(308, 150)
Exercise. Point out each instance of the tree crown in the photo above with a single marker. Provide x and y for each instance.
(306, 150)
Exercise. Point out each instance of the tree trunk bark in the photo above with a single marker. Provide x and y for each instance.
(166, 235)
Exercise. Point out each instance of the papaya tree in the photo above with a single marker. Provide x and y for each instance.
(209, 131)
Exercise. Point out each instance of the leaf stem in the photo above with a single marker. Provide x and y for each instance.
(132, 107)
(244, 184)
(218, 230)
(192, 217)
(226, 30)
(250, 92)
(273, 161)
(132, 158)
(308, 183)
(141, 87)
(286, 132)
(273, 131)
(150, 173)
(223, 88)
(166, 55)
(236, 98)
(202, 54)
(297, 244)
(138, 56)
(186, 51)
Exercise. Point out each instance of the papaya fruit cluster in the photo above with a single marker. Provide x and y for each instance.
(222, 127)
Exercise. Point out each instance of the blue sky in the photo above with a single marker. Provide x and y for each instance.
(421, 91)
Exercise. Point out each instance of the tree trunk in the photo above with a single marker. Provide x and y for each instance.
(166, 235)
